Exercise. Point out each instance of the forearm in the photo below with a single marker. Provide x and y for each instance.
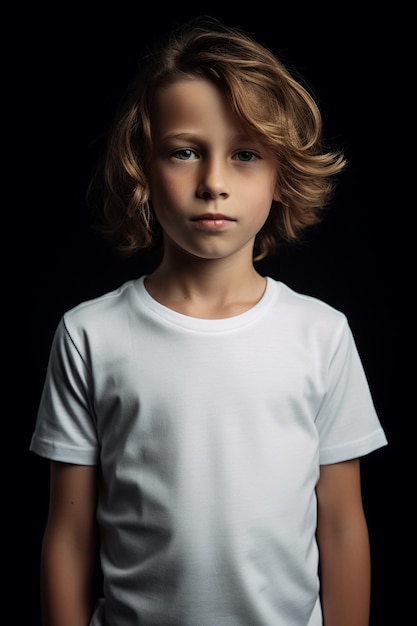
(345, 576)
(66, 584)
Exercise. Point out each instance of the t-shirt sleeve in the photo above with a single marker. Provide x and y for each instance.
(347, 421)
(65, 428)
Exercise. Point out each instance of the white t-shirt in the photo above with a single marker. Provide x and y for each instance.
(210, 434)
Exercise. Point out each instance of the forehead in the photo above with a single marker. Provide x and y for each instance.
(188, 96)
(193, 103)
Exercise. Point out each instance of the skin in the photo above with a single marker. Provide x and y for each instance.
(204, 162)
(342, 536)
(68, 548)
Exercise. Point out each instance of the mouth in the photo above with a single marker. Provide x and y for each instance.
(213, 221)
(213, 216)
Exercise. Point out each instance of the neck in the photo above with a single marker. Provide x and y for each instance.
(206, 288)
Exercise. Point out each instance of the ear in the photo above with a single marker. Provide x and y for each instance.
(277, 196)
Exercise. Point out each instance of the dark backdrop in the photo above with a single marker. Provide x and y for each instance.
(68, 66)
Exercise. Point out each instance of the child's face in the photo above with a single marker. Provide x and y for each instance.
(212, 183)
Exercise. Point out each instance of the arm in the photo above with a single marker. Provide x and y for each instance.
(342, 536)
(69, 548)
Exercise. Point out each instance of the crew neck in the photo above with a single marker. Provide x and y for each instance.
(210, 325)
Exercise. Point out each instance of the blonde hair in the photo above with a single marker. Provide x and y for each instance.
(266, 98)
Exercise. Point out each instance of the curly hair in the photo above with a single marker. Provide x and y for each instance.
(267, 99)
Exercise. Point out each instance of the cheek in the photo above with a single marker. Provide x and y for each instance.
(167, 193)
(260, 198)
(262, 186)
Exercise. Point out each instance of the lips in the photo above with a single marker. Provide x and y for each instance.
(213, 216)
(213, 221)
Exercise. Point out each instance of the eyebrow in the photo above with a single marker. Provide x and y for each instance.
(241, 137)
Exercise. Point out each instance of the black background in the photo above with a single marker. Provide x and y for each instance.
(68, 65)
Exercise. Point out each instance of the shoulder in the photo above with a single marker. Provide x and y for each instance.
(308, 322)
(99, 326)
(106, 308)
(99, 321)
(302, 307)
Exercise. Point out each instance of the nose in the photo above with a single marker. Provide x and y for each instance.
(213, 180)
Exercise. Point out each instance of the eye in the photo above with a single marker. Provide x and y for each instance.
(184, 154)
(245, 155)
